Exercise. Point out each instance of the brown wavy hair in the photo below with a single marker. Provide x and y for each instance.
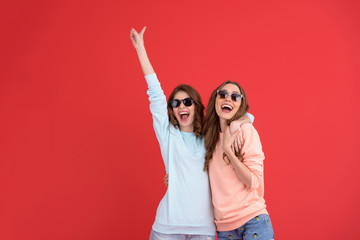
(211, 127)
(199, 108)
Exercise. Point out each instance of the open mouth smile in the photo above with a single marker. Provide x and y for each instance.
(184, 115)
(226, 108)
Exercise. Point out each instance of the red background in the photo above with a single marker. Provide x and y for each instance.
(78, 155)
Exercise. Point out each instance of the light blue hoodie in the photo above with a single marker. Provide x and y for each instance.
(186, 207)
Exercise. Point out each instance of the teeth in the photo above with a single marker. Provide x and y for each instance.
(226, 105)
(182, 113)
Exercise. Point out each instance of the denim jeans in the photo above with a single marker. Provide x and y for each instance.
(161, 236)
(259, 228)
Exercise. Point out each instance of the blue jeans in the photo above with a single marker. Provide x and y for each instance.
(259, 228)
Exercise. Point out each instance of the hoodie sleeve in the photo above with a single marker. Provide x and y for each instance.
(158, 109)
(253, 154)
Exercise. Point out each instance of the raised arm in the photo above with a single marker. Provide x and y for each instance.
(137, 40)
(158, 104)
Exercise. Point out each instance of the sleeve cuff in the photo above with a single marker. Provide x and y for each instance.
(152, 80)
(254, 182)
(251, 117)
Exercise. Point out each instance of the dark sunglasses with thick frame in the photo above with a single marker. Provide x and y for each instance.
(236, 97)
(186, 101)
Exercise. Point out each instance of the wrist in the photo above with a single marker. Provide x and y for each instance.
(140, 49)
(228, 151)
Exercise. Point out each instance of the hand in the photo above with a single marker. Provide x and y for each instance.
(234, 125)
(236, 145)
(166, 180)
(137, 39)
(228, 140)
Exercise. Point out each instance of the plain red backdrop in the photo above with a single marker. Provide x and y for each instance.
(78, 155)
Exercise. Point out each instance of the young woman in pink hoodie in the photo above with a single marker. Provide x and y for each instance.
(236, 177)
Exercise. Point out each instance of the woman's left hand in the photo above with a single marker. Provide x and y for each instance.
(137, 39)
(166, 180)
(228, 140)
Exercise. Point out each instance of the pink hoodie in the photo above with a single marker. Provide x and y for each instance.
(234, 203)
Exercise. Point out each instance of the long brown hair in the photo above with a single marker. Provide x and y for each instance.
(199, 108)
(211, 127)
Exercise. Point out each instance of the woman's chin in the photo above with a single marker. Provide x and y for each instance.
(186, 127)
(226, 116)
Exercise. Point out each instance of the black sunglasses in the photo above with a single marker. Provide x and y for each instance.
(186, 101)
(234, 96)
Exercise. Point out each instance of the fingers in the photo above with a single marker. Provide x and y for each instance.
(231, 136)
(236, 144)
(166, 180)
(242, 156)
(133, 33)
(230, 140)
(142, 31)
(235, 134)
